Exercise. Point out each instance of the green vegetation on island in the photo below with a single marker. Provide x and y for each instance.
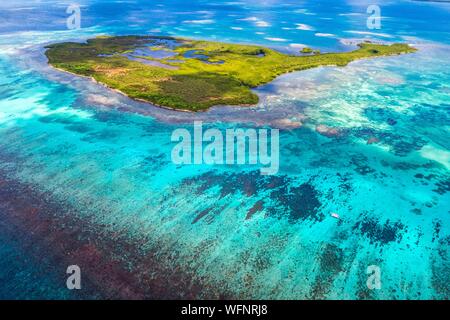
(308, 50)
(192, 75)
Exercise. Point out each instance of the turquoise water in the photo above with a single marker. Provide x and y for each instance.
(86, 176)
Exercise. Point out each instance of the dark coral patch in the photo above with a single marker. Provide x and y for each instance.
(283, 196)
(437, 225)
(209, 214)
(79, 128)
(430, 113)
(298, 202)
(402, 145)
(380, 233)
(380, 115)
(442, 187)
(257, 207)
(360, 164)
(202, 214)
(440, 268)
(391, 122)
(422, 176)
(330, 264)
(155, 162)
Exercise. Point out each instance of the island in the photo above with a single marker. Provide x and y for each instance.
(192, 75)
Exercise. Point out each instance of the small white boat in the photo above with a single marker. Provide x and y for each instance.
(335, 215)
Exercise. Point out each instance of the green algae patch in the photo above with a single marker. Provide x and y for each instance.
(198, 74)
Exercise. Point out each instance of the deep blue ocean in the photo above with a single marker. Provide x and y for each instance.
(86, 176)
